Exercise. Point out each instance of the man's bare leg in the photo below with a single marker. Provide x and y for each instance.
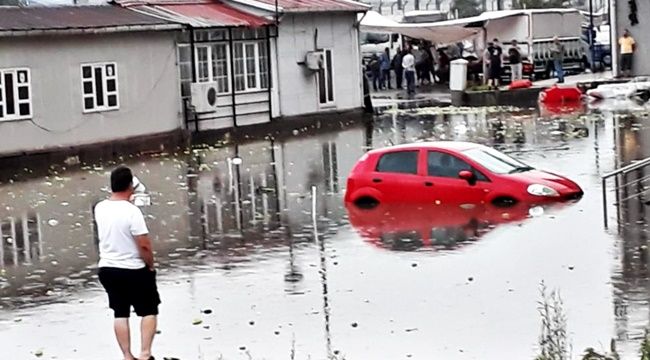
(123, 335)
(148, 331)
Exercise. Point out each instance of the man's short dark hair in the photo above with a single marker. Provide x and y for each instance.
(121, 179)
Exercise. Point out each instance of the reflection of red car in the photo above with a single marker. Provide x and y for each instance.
(452, 173)
(415, 226)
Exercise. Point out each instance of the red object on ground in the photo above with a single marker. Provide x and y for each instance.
(556, 94)
(520, 84)
(452, 173)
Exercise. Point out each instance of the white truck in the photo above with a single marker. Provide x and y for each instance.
(534, 30)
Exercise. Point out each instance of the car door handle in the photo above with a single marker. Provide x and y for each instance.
(428, 183)
(376, 180)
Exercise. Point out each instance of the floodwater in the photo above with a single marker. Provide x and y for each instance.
(238, 239)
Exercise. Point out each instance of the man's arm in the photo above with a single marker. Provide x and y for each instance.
(145, 249)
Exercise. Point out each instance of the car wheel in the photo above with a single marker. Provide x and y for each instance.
(366, 202)
(607, 60)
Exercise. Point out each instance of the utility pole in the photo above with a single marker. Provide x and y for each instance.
(416, 5)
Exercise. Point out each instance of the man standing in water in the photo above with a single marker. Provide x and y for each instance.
(126, 265)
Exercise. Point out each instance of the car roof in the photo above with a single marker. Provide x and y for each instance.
(456, 146)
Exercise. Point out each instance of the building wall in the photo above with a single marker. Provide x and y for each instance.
(298, 87)
(640, 32)
(148, 85)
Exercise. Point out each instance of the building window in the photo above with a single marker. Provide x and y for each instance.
(15, 94)
(212, 65)
(251, 66)
(185, 67)
(99, 83)
(325, 82)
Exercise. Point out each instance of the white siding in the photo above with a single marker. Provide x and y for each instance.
(149, 91)
(640, 33)
(298, 89)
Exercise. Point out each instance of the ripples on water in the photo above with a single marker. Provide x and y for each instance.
(231, 205)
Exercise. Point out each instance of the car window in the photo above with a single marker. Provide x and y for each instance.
(405, 162)
(495, 161)
(445, 165)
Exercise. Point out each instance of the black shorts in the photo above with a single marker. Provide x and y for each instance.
(126, 288)
(626, 62)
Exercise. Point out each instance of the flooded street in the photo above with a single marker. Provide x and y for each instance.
(243, 275)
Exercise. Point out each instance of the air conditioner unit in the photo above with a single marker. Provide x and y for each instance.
(314, 60)
(204, 97)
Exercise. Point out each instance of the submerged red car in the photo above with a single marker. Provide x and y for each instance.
(452, 173)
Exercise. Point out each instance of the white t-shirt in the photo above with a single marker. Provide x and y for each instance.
(117, 224)
(408, 62)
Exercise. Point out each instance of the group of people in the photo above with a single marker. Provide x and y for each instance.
(426, 67)
(494, 55)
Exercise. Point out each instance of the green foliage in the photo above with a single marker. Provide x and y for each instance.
(538, 4)
(645, 347)
(553, 339)
(467, 8)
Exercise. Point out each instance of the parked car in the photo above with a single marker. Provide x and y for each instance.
(452, 172)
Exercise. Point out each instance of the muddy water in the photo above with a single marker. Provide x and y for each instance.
(238, 239)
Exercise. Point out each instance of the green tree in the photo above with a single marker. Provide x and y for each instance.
(467, 8)
(538, 4)
(12, 2)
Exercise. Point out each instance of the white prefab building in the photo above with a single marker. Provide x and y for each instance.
(316, 54)
(74, 76)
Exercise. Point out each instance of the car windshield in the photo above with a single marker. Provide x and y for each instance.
(496, 161)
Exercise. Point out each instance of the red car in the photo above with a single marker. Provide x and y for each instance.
(452, 173)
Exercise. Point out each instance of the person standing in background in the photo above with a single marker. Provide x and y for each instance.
(397, 67)
(514, 58)
(384, 63)
(494, 54)
(628, 47)
(375, 71)
(557, 53)
(408, 63)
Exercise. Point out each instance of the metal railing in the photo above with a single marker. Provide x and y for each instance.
(616, 173)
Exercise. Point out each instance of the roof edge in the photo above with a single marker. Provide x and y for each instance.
(95, 30)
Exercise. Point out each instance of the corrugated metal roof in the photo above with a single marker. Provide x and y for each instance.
(302, 6)
(197, 13)
(25, 19)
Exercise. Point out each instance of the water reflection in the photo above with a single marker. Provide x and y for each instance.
(430, 226)
(229, 208)
(632, 278)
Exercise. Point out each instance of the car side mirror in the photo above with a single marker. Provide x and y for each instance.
(468, 176)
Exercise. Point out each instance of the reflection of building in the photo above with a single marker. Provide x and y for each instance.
(509, 129)
(20, 240)
(632, 278)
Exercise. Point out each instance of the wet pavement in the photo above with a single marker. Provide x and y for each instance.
(244, 274)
